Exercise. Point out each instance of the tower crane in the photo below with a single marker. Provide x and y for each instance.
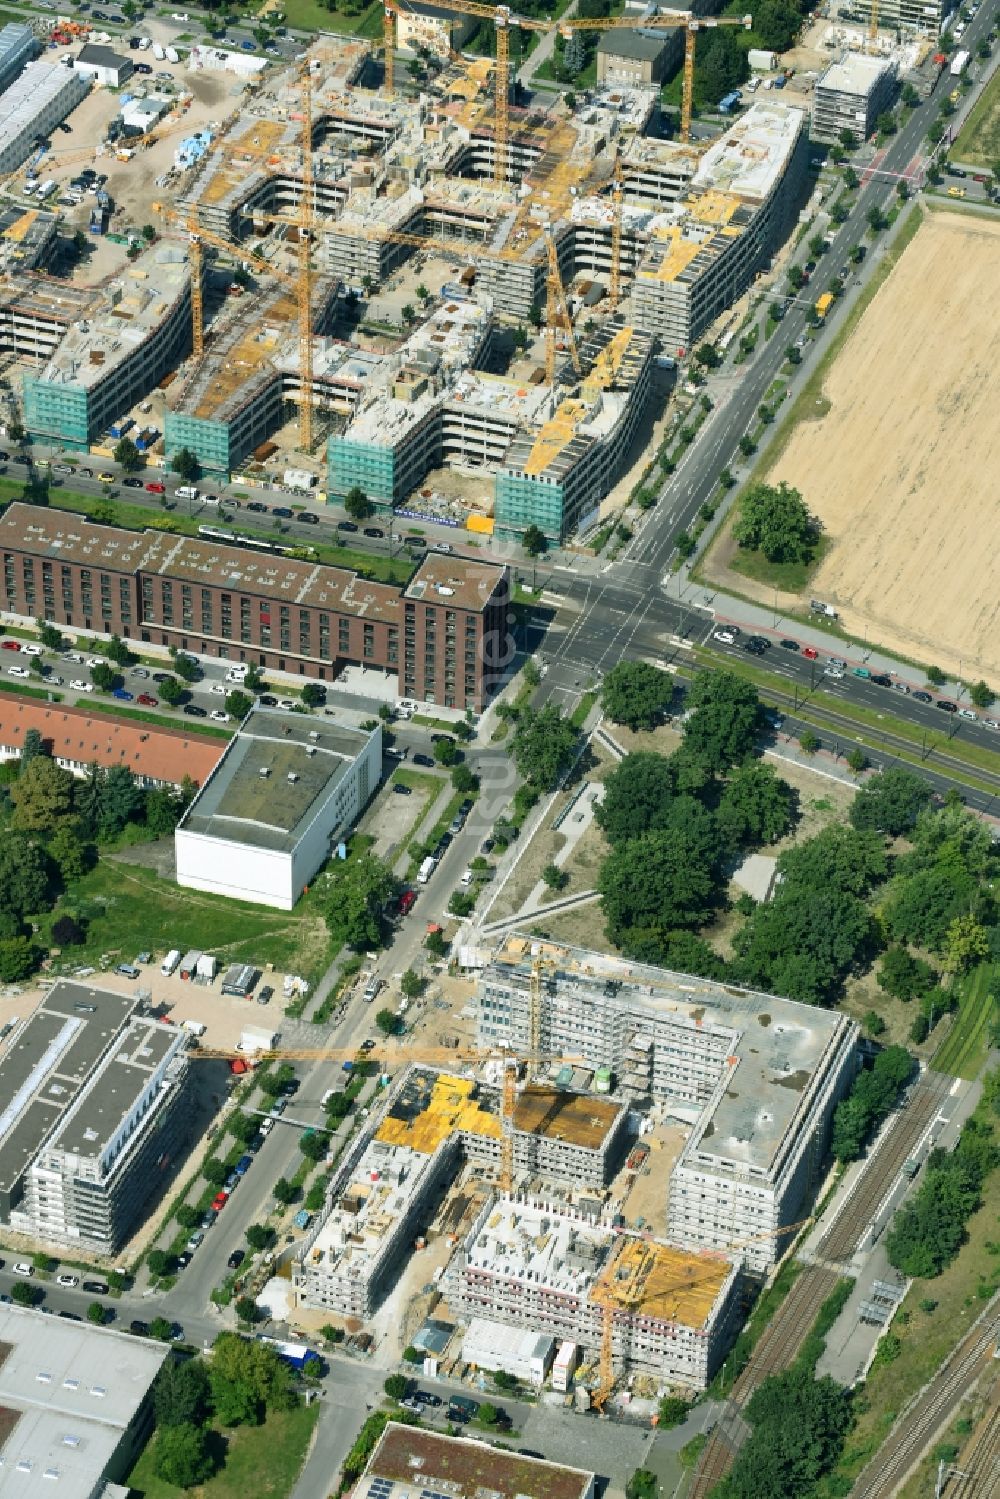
(692, 25)
(503, 19)
(303, 290)
(556, 314)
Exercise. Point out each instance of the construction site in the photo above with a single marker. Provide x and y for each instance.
(518, 1165)
(384, 281)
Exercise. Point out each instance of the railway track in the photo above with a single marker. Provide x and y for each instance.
(788, 1329)
(978, 1466)
(929, 1412)
(776, 1349)
(844, 1234)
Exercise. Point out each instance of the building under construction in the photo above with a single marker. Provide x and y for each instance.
(755, 1077)
(385, 1185)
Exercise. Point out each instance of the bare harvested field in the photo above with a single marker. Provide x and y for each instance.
(902, 469)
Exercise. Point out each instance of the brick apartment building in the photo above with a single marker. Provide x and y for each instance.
(445, 635)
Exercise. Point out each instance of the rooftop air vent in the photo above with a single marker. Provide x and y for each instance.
(264, 772)
(292, 777)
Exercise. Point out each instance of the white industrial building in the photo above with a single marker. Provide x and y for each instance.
(34, 105)
(851, 95)
(410, 1463)
(75, 1407)
(18, 45)
(104, 65)
(494, 1346)
(756, 1077)
(287, 789)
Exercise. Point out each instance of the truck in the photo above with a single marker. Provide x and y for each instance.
(172, 54)
(761, 60)
(47, 189)
(170, 962)
(158, 52)
(824, 303)
(299, 478)
(818, 607)
(730, 102)
(253, 1039)
(959, 63)
(426, 869)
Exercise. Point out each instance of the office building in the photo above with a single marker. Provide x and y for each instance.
(409, 1461)
(94, 1113)
(76, 1405)
(445, 634)
(18, 45)
(851, 95)
(273, 810)
(755, 1077)
(638, 58)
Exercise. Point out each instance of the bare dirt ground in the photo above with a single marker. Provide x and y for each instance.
(901, 468)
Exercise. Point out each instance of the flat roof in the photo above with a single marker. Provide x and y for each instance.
(102, 57)
(643, 46)
(266, 787)
(430, 1107)
(753, 154)
(89, 1125)
(651, 1279)
(68, 1392)
(427, 1462)
(45, 1065)
(854, 74)
(775, 1046)
(578, 1118)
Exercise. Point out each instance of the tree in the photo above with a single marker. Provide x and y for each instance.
(214, 1171)
(574, 55)
(966, 943)
(95, 1314)
(170, 691)
(184, 665)
(49, 636)
(874, 1092)
(411, 984)
(660, 882)
(876, 220)
(24, 875)
(238, 704)
(636, 694)
(104, 677)
(554, 877)
(756, 806)
(890, 802)
(534, 541)
(285, 1191)
(544, 744)
(181, 1456)
(396, 1386)
(774, 519)
(723, 720)
(463, 779)
(848, 140)
(856, 760)
(776, 24)
(796, 277)
(313, 695)
(185, 465)
(436, 944)
(462, 904)
(127, 456)
(247, 1310)
(159, 1262)
(254, 679)
(638, 797)
(904, 976)
(981, 695)
(798, 1427)
(488, 1414)
(187, 1215)
(803, 942)
(42, 797)
(24, 1294)
(720, 65)
(673, 1412)
(808, 742)
(123, 800)
(117, 651)
(446, 751)
(258, 1236)
(708, 356)
(161, 1329)
(312, 1145)
(32, 747)
(360, 892)
(885, 123)
(642, 1485)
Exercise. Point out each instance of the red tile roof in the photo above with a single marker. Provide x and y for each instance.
(75, 734)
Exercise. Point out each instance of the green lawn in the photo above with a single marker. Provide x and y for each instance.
(262, 1461)
(965, 1048)
(129, 908)
(308, 15)
(182, 722)
(791, 577)
(978, 141)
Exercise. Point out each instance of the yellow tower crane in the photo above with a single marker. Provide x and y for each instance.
(556, 314)
(503, 19)
(692, 25)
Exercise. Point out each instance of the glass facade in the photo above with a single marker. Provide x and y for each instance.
(57, 411)
(361, 465)
(522, 501)
(209, 441)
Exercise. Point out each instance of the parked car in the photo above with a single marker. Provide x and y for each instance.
(147, 700)
(423, 760)
(236, 1259)
(725, 636)
(946, 706)
(881, 679)
(193, 711)
(23, 1267)
(79, 685)
(140, 1328)
(923, 697)
(810, 652)
(123, 695)
(10, 645)
(155, 487)
(346, 525)
(400, 789)
(18, 671)
(96, 1287)
(265, 995)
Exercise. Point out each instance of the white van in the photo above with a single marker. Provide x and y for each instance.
(187, 492)
(170, 962)
(426, 869)
(194, 1026)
